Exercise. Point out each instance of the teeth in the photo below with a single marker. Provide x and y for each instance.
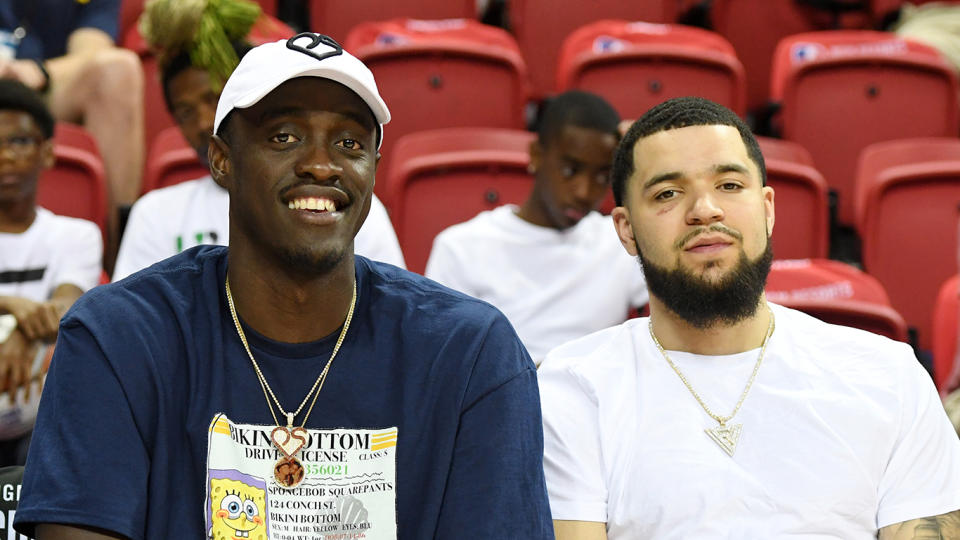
(312, 203)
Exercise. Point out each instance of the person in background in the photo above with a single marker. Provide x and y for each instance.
(551, 265)
(46, 262)
(65, 50)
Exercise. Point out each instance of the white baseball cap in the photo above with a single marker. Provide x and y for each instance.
(268, 66)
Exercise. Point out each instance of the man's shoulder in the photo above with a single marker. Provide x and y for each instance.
(402, 291)
(598, 352)
(854, 355)
(155, 291)
(51, 223)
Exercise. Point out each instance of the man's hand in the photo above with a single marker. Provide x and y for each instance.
(37, 320)
(25, 71)
(16, 361)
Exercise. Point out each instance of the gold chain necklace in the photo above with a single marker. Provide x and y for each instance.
(288, 471)
(725, 436)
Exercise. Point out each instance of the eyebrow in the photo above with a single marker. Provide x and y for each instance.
(716, 169)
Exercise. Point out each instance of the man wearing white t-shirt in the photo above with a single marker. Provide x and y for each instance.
(721, 415)
(46, 261)
(552, 265)
(166, 221)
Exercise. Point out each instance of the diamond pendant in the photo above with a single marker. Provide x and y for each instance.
(288, 472)
(726, 437)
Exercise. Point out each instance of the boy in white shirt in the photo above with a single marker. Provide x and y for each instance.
(551, 265)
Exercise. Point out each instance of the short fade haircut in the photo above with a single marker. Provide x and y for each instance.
(576, 108)
(678, 113)
(15, 96)
(182, 61)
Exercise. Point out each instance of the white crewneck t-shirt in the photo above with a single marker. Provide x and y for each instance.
(843, 433)
(553, 285)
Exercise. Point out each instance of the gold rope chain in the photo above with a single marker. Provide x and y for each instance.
(721, 419)
(317, 385)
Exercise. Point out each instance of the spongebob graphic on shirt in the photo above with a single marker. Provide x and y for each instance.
(347, 492)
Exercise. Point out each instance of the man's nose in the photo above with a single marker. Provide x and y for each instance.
(318, 162)
(704, 209)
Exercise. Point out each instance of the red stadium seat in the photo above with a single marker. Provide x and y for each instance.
(541, 26)
(836, 293)
(636, 65)
(76, 185)
(439, 74)
(802, 228)
(171, 161)
(844, 90)
(945, 323)
(336, 19)
(754, 27)
(443, 177)
(908, 192)
(156, 116)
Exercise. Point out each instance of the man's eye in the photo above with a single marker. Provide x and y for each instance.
(666, 194)
(568, 171)
(283, 138)
(730, 186)
(351, 144)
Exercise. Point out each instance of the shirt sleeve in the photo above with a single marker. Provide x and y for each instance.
(377, 240)
(922, 477)
(88, 464)
(100, 14)
(145, 240)
(495, 488)
(78, 262)
(572, 460)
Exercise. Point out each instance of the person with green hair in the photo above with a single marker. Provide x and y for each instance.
(199, 43)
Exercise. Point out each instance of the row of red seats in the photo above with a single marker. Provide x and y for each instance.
(447, 176)
(908, 191)
(840, 91)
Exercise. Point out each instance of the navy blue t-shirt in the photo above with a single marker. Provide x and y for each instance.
(49, 23)
(150, 392)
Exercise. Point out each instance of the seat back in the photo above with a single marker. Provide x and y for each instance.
(944, 325)
(76, 185)
(443, 177)
(802, 228)
(439, 74)
(171, 161)
(835, 292)
(636, 65)
(910, 191)
(337, 19)
(542, 25)
(843, 90)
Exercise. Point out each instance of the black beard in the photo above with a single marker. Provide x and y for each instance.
(702, 303)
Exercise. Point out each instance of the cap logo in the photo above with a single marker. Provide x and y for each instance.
(315, 39)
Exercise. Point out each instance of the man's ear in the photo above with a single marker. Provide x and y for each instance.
(536, 154)
(47, 158)
(218, 155)
(621, 221)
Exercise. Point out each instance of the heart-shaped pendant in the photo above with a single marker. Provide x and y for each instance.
(289, 440)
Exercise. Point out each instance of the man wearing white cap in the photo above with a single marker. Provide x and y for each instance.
(283, 387)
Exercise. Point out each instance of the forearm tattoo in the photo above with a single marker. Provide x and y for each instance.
(942, 527)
